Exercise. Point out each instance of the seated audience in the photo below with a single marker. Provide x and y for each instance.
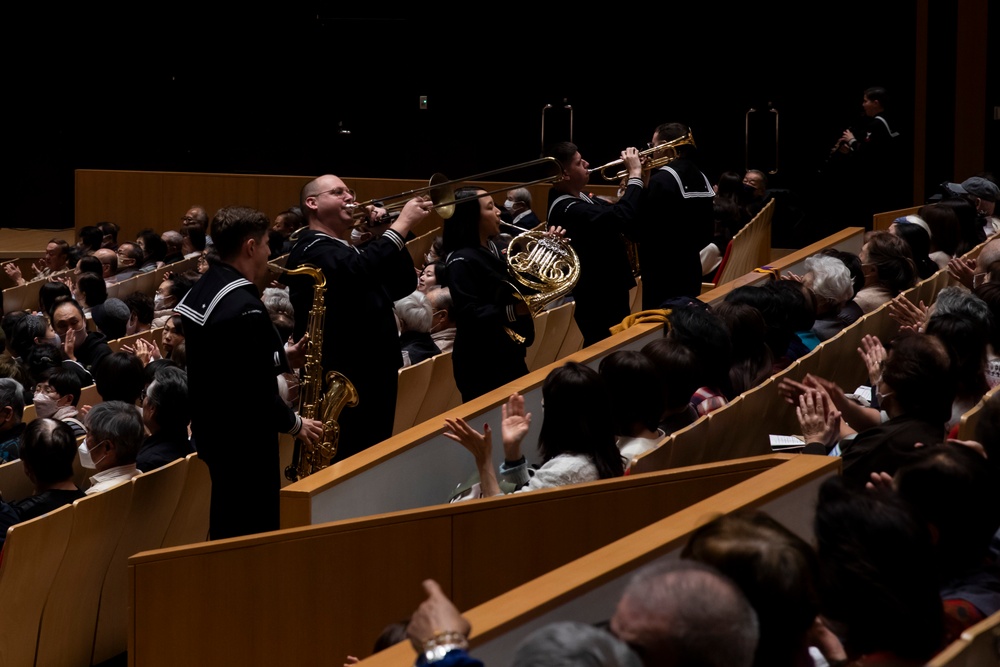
(140, 313)
(166, 414)
(753, 361)
(915, 390)
(945, 232)
(153, 250)
(91, 290)
(56, 260)
(110, 231)
(983, 194)
(917, 234)
(114, 433)
(952, 490)
(83, 347)
(168, 295)
(130, 258)
(414, 316)
(875, 592)
(57, 397)
(173, 242)
(47, 452)
(830, 280)
(576, 441)
(11, 411)
(635, 407)
(431, 277)
(778, 573)
(443, 325)
(686, 613)
(678, 373)
(704, 333)
(569, 643)
(192, 241)
(49, 294)
(888, 267)
(119, 377)
(111, 318)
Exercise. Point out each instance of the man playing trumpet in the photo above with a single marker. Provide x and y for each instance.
(602, 294)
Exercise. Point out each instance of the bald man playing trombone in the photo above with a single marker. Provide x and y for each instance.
(360, 338)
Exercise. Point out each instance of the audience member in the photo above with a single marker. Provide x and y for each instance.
(57, 397)
(676, 613)
(11, 411)
(984, 194)
(636, 407)
(114, 433)
(109, 264)
(518, 207)
(166, 414)
(168, 295)
(153, 250)
(705, 334)
(110, 231)
(576, 441)
(572, 644)
(47, 452)
(443, 325)
(876, 592)
(414, 316)
(140, 313)
(56, 259)
(119, 377)
(778, 573)
(888, 267)
(130, 257)
(83, 347)
(752, 361)
(678, 372)
(111, 318)
(173, 241)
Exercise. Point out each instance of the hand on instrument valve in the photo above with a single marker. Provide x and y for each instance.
(311, 432)
(413, 212)
(556, 230)
(632, 162)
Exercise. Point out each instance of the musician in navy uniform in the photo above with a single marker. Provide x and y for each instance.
(676, 221)
(360, 338)
(234, 355)
(594, 228)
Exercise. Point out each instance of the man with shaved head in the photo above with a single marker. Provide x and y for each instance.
(685, 613)
(360, 338)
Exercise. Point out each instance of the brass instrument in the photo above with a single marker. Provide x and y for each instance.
(543, 268)
(315, 402)
(442, 191)
(657, 156)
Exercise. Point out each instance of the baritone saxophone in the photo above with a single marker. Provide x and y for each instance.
(321, 398)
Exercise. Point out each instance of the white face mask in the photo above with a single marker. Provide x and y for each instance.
(160, 302)
(45, 405)
(509, 204)
(86, 460)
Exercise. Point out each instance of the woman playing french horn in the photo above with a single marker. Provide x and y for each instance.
(487, 309)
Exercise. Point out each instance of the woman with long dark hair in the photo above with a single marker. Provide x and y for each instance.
(494, 327)
(576, 441)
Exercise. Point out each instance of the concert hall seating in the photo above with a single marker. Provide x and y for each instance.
(63, 576)
(312, 595)
(380, 478)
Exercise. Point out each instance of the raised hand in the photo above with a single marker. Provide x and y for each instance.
(873, 354)
(480, 445)
(818, 421)
(514, 425)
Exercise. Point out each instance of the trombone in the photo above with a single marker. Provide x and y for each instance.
(442, 191)
(653, 157)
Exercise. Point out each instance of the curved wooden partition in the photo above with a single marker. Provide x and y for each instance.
(421, 467)
(311, 595)
(588, 589)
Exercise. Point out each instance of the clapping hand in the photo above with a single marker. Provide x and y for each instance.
(817, 418)
(480, 445)
(514, 425)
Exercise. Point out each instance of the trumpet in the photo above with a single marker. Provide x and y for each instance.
(653, 157)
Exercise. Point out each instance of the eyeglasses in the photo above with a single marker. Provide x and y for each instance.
(336, 192)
